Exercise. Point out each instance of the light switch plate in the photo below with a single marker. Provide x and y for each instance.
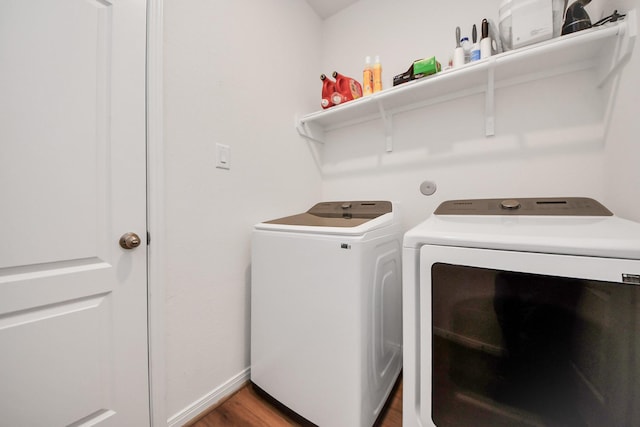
(222, 156)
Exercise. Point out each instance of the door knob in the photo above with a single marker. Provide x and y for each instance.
(129, 241)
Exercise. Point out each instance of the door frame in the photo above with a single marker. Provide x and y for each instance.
(155, 215)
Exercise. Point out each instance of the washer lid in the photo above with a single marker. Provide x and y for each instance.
(599, 236)
(341, 217)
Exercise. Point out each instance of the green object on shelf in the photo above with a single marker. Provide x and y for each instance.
(420, 68)
(425, 67)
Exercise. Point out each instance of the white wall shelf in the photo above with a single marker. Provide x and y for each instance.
(605, 48)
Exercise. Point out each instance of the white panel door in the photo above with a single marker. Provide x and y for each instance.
(73, 303)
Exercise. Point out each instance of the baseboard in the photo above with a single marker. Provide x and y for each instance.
(192, 411)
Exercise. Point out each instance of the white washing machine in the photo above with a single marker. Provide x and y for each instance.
(326, 317)
(522, 313)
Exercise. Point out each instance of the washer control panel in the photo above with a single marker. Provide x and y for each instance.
(557, 206)
(351, 209)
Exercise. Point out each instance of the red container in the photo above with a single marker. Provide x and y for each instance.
(328, 90)
(347, 87)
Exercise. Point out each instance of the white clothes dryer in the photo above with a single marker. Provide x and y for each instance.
(522, 313)
(326, 317)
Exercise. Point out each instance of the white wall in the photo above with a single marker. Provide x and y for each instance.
(622, 170)
(552, 136)
(236, 72)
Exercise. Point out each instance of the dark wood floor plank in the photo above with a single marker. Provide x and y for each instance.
(260, 409)
(248, 407)
(392, 413)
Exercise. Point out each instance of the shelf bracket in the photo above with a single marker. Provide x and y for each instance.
(387, 121)
(624, 47)
(489, 106)
(303, 131)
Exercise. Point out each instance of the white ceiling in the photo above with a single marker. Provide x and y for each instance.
(326, 8)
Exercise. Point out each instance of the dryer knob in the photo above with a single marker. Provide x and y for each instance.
(510, 204)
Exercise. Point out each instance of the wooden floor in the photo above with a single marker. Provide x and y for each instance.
(249, 407)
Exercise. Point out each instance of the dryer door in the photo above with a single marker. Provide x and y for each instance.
(512, 338)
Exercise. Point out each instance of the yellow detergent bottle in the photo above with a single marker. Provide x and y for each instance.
(367, 77)
(377, 75)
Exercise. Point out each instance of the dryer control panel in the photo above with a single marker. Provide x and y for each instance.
(556, 206)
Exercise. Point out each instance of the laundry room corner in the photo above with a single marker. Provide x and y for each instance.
(235, 74)
(235, 87)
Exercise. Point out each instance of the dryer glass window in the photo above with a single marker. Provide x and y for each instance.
(517, 349)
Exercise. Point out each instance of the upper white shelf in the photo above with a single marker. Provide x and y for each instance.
(603, 48)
